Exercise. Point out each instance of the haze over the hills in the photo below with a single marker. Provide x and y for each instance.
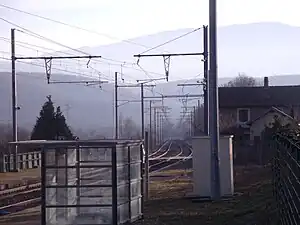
(261, 49)
(258, 49)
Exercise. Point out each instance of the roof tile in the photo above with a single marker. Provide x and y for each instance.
(259, 96)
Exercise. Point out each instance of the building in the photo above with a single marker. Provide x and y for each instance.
(267, 119)
(241, 106)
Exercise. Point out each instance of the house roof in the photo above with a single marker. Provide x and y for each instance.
(273, 109)
(259, 96)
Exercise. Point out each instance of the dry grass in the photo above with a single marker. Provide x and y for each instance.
(175, 172)
(20, 178)
(253, 204)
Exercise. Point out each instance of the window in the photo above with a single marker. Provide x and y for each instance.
(243, 115)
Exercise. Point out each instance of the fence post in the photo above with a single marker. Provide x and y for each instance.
(2, 163)
(30, 160)
(146, 143)
(22, 159)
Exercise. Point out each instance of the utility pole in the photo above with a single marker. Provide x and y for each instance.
(206, 80)
(150, 126)
(48, 65)
(155, 128)
(189, 115)
(142, 111)
(161, 129)
(151, 143)
(141, 85)
(214, 101)
(116, 107)
(146, 166)
(151, 107)
(159, 123)
(14, 99)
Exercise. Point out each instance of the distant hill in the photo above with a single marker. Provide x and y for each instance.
(259, 49)
(91, 108)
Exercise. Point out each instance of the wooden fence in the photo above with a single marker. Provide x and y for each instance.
(24, 160)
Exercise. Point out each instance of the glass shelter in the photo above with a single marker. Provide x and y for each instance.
(90, 182)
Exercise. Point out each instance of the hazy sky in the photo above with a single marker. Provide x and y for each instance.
(123, 19)
(131, 18)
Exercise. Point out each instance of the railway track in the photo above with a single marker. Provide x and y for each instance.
(20, 198)
(164, 161)
(162, 151)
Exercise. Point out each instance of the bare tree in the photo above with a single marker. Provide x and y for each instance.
(242, 80)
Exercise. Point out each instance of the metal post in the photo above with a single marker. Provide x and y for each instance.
(78, 179)
(194, 120)
(155, 128)
(116, 107)
(142, 180)
(191, 124)
(114, 181)
(214, 103)
(150, 126)
(43, 187)
(14, 98)
(146, 190)
(206, 86)
(160, 129)
(142, 110)
(129, 163)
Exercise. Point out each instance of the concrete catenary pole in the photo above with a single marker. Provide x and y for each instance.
(214, 101)
(14, 98)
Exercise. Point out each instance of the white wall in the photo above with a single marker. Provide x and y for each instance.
(202, 166)
(259, 125)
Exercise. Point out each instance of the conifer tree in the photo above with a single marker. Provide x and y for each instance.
(51, 124)
(62, 128)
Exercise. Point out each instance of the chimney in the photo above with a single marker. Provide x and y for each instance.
(266, 82)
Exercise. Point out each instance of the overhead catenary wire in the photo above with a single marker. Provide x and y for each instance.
(40, 36)
(169, 41)
(27, 74)
(78, 27)
(67, 71)
(52, 52)
(27, 31)
(72, 26)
